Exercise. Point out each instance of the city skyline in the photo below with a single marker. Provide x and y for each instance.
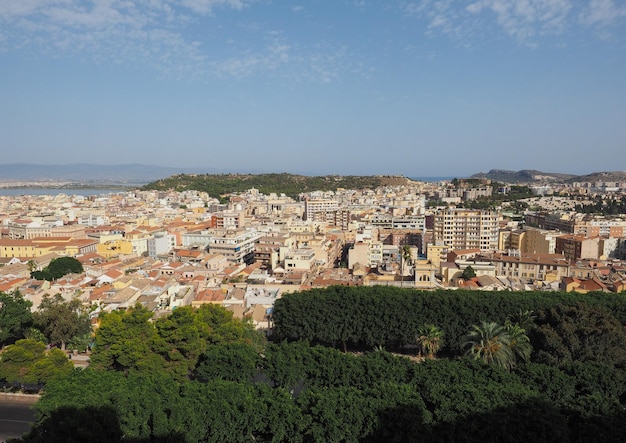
(428, 88)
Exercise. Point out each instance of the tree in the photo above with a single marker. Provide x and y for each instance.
(491, 343)
(525, 319)
(127, 341)
(228, 361)
(15, 317)
(579, 333)
(429, 340)
(57, 268)
(468, 273)
(61, 321)
(405, 259)
(519, 343)
(32, 265)
(27, 361)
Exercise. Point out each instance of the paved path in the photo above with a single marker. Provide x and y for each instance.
(15, 419)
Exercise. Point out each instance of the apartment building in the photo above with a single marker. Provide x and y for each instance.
(320, 209)
(160, 244)
(267, 249)
(544, 267)
(369, 254)
(28, 229)
(40, 246)
(236, 245)
(529, 240)
(577, 247)
(563, 222)
(467, 229)
(408, 222)
(301, 259)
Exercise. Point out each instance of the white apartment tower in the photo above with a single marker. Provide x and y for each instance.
(467, 229)
(320, 209)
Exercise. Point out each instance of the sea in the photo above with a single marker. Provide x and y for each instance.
(85, 192)
(431, 179)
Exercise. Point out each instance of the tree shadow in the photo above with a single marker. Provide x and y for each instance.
(91, 424)
(529, 421)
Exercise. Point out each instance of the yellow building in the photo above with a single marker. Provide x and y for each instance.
(114, 248)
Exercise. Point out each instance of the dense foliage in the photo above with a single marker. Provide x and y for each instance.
(514, 193)
(15, 317)
(60, 321)
(603, 206)
(366, 317)
(128, 341)
(317, 394)
(220, 185)
(201, 376)
(57, 268)
(28, 361)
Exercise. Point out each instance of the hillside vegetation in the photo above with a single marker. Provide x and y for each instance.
(534, 176)
(219, 185)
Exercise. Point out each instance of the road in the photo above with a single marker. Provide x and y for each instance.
(15, 419)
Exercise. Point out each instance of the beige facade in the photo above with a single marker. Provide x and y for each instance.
(575, 247)
(544, 267)
(466, 229)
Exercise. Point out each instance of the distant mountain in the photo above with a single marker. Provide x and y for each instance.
(90, 173)
(533, 176)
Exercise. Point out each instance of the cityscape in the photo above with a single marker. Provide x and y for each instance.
(189, 248)
(309, 222)
(165, 252)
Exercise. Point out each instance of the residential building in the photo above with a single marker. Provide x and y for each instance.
(236, 245)
(467, 228)
(577, 247)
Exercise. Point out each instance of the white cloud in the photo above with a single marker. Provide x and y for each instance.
(523, 19)
(603, 13)
(526, 21)
(153, 33)
(207, 6)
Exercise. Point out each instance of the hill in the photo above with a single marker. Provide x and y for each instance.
(218, 185)
(531, 176)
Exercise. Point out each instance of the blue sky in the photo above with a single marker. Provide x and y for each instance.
(419, 88)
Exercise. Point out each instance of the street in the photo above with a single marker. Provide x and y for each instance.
(15, 419)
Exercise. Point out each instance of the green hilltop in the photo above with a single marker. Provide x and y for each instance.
(220, 185)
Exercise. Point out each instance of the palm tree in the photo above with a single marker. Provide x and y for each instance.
(491, 343)
(406, 257)
(519, 341)
(429, 340)
(524, 319)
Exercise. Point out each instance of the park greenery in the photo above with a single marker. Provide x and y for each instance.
(364, 364)
(221, 185)
(513, 194)
(57, 268)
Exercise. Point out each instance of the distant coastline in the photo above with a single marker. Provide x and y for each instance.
(432, 179)
(40, 190)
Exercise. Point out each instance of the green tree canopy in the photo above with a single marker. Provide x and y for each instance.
(491, 343)
(429, 340)
(128, 341)
(61, 320)
(27, 361)
(57, 268)
(15, 317)
(579, 333)
(468, 273)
